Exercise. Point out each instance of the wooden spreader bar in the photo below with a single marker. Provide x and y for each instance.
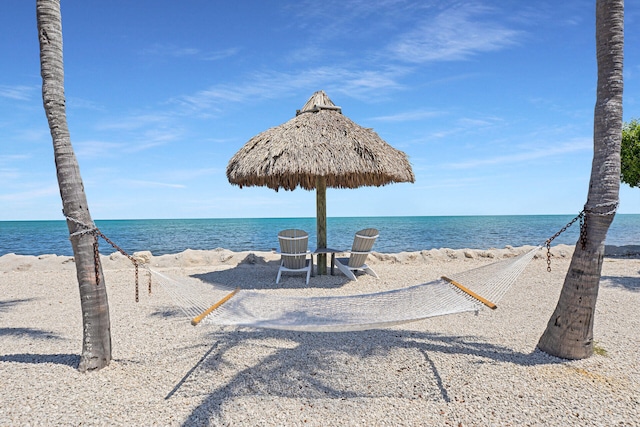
(485, 301)
(208, 311)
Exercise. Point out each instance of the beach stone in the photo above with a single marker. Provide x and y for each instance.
(487, 254)
(8, 261)
(191, 257)
(385, 257)
(253, 259)
(451, 253)
(562, 253)
(23, 267)
(143, 257)
(116, 260)
(223, 255)
(408, 257)
(469, 254)
(116, 256)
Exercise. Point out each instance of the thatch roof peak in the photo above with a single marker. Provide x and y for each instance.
(318, 101)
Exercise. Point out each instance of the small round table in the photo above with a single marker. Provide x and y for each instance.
(333, 253)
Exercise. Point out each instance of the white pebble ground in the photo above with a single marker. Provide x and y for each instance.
(456, 370)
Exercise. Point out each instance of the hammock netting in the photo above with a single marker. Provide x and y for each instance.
(265, 309)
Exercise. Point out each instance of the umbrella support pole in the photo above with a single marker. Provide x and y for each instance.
(321, 222)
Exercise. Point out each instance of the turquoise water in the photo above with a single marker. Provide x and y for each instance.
(397, 234)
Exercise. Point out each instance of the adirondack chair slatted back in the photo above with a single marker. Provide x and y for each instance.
(293, 248)
(362, 244)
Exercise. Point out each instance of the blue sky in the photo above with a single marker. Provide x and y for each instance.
(492, 102)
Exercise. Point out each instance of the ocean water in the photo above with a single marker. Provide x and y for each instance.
(397, 234)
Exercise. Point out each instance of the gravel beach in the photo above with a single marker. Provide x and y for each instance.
(459, 370)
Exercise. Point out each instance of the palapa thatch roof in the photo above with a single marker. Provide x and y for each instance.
(319, 142)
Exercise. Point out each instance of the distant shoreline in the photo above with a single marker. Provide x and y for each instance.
(397, 234)
(221, 256)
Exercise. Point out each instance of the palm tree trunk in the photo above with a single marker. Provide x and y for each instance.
(96, 348)
(569, 333)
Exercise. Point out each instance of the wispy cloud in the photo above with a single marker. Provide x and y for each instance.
(191, 174)
(30, 194)
(18, 93)
(144, 141)
(173, 51)
(136, 133)
(462, 126)
(408, 116)
(32, 134)
(573, 21)
(153, 138)
(467, 122)
(581, 144)
(339, 17)
(151, 184)
(274, 84)
(454, 34)
(9, 174)
(305, 54)
(444, 183)
(134, 122)
(10, 158)
(631, 72)
(448, 33)
(217, 55)
(562, 107)
(84, 104)
(94, 149)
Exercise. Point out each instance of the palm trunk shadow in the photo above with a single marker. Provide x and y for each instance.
(191, 371)
(311, 366)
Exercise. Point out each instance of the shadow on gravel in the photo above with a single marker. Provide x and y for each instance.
(628, 251)
(168, 313)
(315, 366)
(628, 283)
(28, 333)
(71, 360)
(5, 305)
(262, 275)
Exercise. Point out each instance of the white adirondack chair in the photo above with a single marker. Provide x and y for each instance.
(362, 244)
(293, 251)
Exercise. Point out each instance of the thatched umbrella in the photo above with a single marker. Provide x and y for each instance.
(318, 148)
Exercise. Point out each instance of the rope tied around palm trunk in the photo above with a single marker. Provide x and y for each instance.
(582, 216)
(92, 229)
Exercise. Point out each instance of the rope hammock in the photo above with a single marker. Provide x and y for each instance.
(462, 292)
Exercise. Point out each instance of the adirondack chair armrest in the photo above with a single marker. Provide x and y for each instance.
(294, 254)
